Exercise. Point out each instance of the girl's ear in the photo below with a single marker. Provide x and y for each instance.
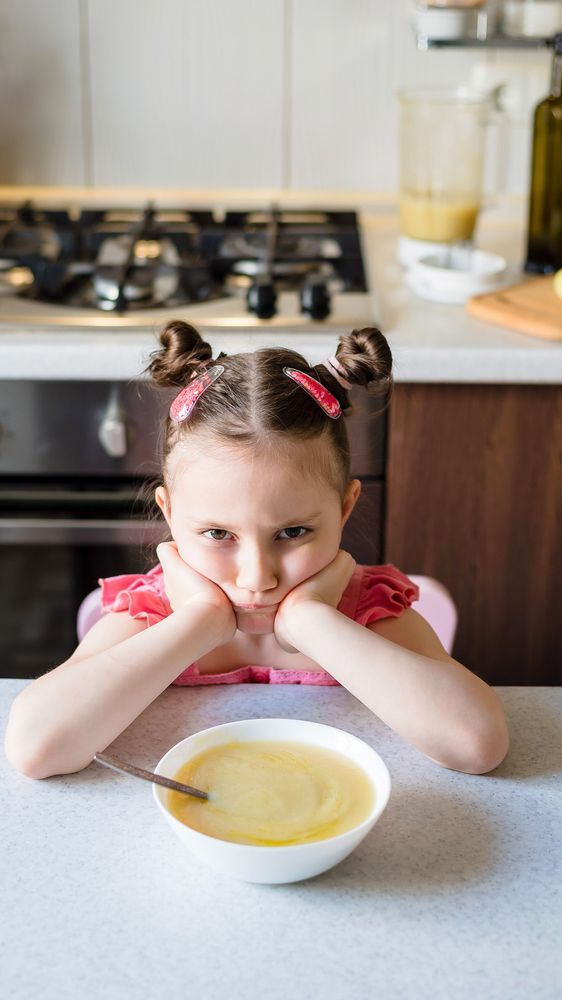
(163, 500)
(350, 498)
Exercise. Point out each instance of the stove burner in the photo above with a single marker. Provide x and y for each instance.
(124, 259)
(300, 247)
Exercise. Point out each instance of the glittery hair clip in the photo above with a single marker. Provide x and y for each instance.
(185, 401)
(326, 401)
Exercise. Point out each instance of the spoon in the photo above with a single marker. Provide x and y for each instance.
(139, 772)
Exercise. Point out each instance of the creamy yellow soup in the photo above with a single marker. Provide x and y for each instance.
(272, 793)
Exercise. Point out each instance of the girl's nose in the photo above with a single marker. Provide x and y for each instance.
(256, 572)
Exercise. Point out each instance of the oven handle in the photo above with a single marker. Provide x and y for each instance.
(61, 531)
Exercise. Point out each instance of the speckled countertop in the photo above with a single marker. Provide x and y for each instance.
(455, 893)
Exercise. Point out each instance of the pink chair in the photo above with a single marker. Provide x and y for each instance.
(89, 613)
(435, 605)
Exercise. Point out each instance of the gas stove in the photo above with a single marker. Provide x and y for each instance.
(122, 267)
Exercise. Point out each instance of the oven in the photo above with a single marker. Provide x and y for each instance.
(78, 462)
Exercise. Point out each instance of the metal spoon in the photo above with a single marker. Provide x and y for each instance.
(139, 772)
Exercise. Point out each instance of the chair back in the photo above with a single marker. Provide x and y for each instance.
(89, 613)
(438, 608)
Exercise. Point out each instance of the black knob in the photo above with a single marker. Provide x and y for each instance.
(315, 298)
(262, 297)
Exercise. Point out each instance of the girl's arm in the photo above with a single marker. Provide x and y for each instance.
(399, 669)
(59, 721)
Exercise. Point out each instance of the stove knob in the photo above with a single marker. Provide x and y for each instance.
(315, 298)
(262, 298)
(112, 431)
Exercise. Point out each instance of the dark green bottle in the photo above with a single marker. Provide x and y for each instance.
(544, 241)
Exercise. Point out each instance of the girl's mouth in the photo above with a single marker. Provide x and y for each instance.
(255, 619)
(255, 607)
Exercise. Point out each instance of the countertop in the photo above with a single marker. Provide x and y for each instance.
(430, 342)
(456, 892)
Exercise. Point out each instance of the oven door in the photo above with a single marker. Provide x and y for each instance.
(56, 541)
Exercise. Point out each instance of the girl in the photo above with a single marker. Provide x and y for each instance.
(254, 586)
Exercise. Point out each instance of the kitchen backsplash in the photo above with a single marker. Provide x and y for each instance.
(223, 93)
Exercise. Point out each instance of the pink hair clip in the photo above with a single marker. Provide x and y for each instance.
(186, 399)
(326, 401)
(337, 370)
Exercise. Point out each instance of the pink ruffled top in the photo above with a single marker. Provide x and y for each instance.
(374, 592)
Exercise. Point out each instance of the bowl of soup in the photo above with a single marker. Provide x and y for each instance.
(288, 798)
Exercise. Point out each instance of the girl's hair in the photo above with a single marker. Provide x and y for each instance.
(254, 404)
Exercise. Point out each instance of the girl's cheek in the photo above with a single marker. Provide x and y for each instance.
(183, 549)
(204, 561)
(306, 562)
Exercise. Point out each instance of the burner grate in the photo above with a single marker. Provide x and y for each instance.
(119, 259)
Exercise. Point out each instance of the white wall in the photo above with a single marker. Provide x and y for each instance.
(223, 93)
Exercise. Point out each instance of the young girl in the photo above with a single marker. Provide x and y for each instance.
(254, 586)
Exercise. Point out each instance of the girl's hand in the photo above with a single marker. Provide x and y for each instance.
(185, 585)
(327, 587)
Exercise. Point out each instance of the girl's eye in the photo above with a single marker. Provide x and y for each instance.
(217, 534)
(292, 532)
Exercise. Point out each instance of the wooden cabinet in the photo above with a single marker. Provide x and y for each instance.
(474, 499)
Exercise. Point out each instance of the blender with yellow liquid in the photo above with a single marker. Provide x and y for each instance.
(443, 139)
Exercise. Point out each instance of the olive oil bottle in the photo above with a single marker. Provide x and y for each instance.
(544, 241)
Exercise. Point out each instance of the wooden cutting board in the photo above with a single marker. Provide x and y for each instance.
(531, 306)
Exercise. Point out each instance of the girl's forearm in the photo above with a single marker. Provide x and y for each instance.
(443, 709)
(63, 718)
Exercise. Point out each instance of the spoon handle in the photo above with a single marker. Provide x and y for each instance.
(139, 772)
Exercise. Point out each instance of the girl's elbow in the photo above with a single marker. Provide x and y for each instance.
(20, 747)
(490, 754)
(488, 745)
(487, 751)
(38, 762)
(29, 768)
(478, 755)
(24, 758)
(32, 754)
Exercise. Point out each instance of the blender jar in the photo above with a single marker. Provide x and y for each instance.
(443, 140)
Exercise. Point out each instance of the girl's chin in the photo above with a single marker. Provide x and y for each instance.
(255, 622)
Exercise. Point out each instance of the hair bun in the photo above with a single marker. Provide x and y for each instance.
(365, 357)
(183, 351)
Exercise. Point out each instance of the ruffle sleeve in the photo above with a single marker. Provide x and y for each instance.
(141, 595)
(376, 592)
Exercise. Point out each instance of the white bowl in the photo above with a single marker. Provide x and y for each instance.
(455, 275)
(274, 864)
(446, 23)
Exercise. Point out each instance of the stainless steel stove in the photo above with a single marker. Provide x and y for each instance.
(123, 268)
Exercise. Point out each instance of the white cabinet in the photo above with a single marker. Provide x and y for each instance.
(187, 93)
(42, 126)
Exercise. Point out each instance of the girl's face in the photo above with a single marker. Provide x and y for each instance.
(256, 526)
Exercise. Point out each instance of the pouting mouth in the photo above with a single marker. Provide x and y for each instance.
(255, 607)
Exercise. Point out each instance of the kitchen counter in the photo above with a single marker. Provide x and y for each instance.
(456, 892)
(430, 342)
